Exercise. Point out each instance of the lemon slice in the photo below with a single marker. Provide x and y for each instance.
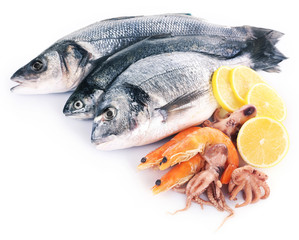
(263, 142)
(242, 78)
(267, 101)
(222, 90)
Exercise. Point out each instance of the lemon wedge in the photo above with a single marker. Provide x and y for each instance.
(263, 142)
(242, 78)
(222, 90)
(267, 101)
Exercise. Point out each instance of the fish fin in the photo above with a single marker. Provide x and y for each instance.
(129, 17)
(261, 46)
(160, 36)
(120, 18)
(180, 103)
(180, 14)
(154, 37)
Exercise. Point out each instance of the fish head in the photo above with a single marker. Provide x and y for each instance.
(120, 118)
(81, 104)
(60, 68)
(40, 75)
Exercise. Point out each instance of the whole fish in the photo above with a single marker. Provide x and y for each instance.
(81, 104)
(157, 97)
(261, 49)
(63, 65)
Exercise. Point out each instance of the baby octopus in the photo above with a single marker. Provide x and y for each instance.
(207, 180)
(232, 122)
(250, 181)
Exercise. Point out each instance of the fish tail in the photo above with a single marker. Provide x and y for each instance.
(264, 53)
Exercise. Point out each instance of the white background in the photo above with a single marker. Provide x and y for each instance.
(55, 185)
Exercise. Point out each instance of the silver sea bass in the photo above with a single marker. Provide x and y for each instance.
(81, 104)
(260, 48)
(156, 97)
(63, 65)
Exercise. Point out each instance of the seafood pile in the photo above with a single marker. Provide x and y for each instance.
(143, 78)
(204, 159)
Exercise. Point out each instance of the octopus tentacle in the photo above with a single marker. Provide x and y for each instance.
(217, 198)
(226, 208)
(179, 189)
(188, 204)
(250, 180)
(256, 193)
(197, 185)
(216, 115)
(218, 194)
(266, 189)
(212, 198)
(201, 201)
(231, 186)
(197, 199)
(199, 182)
(207, 123)
(235, 191)
(248, 196)
(231, 213)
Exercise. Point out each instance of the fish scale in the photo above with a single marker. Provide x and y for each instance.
(187, 67)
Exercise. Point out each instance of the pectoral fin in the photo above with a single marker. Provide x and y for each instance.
(180, 103)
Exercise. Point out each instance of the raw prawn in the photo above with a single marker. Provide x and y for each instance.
(155, 157)
(196, 142)
(179, 174)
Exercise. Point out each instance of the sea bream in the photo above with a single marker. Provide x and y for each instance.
(157, 97)
(63, 65)
(81, 104)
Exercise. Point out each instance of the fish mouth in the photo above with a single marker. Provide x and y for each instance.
(80, 116)
(24, 86)
(22, 83)
(36, 86)
(100, 141)
(17, 80)
(104, 143)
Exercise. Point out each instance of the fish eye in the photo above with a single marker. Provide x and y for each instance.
(37, 65)
(78, 104)
(109, 114)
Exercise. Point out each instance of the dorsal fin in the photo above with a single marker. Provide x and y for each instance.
(128, 17)
(120, 18)
(186, 14)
